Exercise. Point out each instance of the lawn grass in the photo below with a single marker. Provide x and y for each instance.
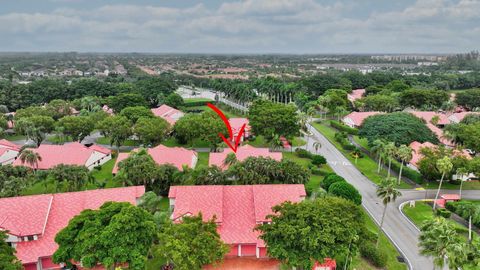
(14, 137)
(297, 142)
(363, 142)
(193, 100)
(258, 142)
(468, 185)
(422, 212)
(227, 111)
(365, 165)
(104, 175)
(202, 159)
(55, 139)
(106, 141)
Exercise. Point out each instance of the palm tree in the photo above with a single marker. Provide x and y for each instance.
(461, 172)
(316, 146)
(378, 148)
(404, 152)
(471, 211)
(30, 157)
(387, 192)
(390, 152)
(444, 166)
(230, 159)
(275, 142)
(439, 239)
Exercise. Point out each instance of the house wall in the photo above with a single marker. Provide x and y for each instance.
(8, 157)
(97, 159)
(249, 250)
(262, 252)
(48, 264)
(348, 121)
(30, 266)
(194, 161)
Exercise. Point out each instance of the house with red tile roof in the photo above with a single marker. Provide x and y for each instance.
(457, 117)
(161, 154)
(355, 119)
(8, 152)
(69, 154)
(356, 94)
(236, 124)
(171, 115)
(243, 152)
(435, 127)
(32, 222)
(237, 209)
(417, 156)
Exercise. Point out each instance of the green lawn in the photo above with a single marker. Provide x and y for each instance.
(365, 165)
(258, 142)
(472, 185)
(106, 141)
(55, 139)
(362, 142)
(422, 212)
(227, 111)
(105, 173)
(14, 137)
(297, 142)
(193, 100)
(203, 159)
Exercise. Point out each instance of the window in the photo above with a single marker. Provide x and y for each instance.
(30, 238)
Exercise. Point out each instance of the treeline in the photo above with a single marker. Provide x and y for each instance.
(41, 91)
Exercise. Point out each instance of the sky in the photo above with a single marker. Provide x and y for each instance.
(250, 26)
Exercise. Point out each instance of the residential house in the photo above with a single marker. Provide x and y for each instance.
(33, 222)
(8, 152)
(161, 154)
(243, 152)
(355, 119)
(171, 115)
(69, 154)
(417, 156)
(435, 122)
(356, 95)
(457, 117)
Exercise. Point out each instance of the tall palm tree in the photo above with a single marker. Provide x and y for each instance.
(444, 166)
(31, 158)
(404, 152)
(440, 240)
(390, 152)
(378, 148)
(316, 146)
(387, 192)
(461, 172)
(471, 211)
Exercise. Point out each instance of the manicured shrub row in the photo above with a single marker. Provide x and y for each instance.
(344, 128)
(341, 137)
(442, 212)
(338, 186)
(198, 103)
(376, 256)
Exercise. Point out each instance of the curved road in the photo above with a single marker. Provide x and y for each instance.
(397, 227)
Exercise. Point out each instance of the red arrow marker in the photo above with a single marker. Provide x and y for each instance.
(229, 141)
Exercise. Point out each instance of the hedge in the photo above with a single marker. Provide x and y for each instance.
(346, 191)
(302, 153)
(344, 128)
(198, 103)
(376, 256)
(330, 179)
(441, 212)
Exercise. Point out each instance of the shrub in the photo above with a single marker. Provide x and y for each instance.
(330, 179)
(316, 171)
(346, 191)
(302, 153)
(344, 128)
(442, 212)
(376, 256)
(408, 173)
(318, 160)
(451, 206)
(198, 103)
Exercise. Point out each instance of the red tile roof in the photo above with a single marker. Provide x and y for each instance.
(70, 154)
(9, 145)
(171, 115)
(238, 209)
(357, 118)
(356, 94)
(416, 149)
(237, 123)
(242, 153)
(161, 154)
(427, 116)
(34, 214)
(457, 117)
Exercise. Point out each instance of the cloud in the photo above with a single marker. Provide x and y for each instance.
(291, 26)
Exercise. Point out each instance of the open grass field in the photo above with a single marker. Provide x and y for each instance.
(193, 100)
(106, 141)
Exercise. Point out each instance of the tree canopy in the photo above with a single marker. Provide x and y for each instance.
(268, 119)
(115, 234)
(8, 260)
(399, 127)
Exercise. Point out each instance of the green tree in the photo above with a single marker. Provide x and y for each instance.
(113, 235)
(30, 157)
(398, 127)
(139, 168)
(77, 127)
(35, 128)
(8, 260)
(121, 101)
(390, 153)
(174, 100)
(378, 148)
(420, 98)
(151, 202)
(135, 113)
(346, 191)
(117, 128)
(328, 227)
(191, 244)
(469, 210)
(151, 130)
(73, 177)
(444, 166)
(469, 99)
(382, 103)
(230, 159)
(267, 118)
(439, 239)
(387, 193)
